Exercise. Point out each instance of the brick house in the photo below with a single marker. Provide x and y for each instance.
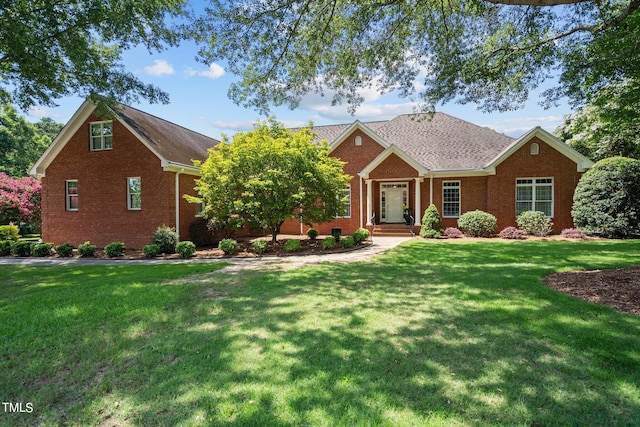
(118, 178)
(405, 164)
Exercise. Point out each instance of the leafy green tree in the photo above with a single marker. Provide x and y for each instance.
(607, 198)
(54, 48)
(492, 52)
(263, 177)
(608, 126)
(21, 144)
(47, 126)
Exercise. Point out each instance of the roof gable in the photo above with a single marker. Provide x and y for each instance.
(385, 155)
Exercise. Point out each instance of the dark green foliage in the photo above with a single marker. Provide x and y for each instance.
(114, 249)
(228, 246)
(534, 223)
(87, 250)
(312, 233)
(260, 246)
(292, 245)
(151, 251)
(328, 243)
(431, 223)
(186, 249)
(360, 235)
(5, 247)
(166, 238)
(478, 223)
(202, 232)
(64, 250)
(22, 248)
(348, 242)
(9, 232)
(607, 198)
(41, 249)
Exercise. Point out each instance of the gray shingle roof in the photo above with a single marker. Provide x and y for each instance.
(173, 142)
(437, 142)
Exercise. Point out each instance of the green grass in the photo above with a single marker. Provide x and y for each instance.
(433, 333)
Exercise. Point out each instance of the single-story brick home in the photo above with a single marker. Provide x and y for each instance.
(120, 178)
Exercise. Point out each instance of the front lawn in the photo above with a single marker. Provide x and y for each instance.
(432, 333)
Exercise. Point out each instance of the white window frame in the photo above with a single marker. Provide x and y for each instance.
(347, 207)
(533, 183)
(102, 138)
(69, 195)
(453, 184)
(130, 194)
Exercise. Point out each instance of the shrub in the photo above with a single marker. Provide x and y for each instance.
(9, 232)
(64, 250)
(360, 235)
(22, 248)
(312, 233)
(512, 233)
(166, 238)
(260, 246)
(87, 250)
(534, 223)
(114, 249)
(5, 247)
(41, 249)
(336, 233)
(606, 201)
(186, 249)
(228, 246)
(151, 251)
(202, 232)
(572, 233)
(431, 223)
(477, 223)
(328, 243)
(348, 242)
(292, 245)
(453, 233)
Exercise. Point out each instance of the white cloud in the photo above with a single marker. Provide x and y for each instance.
(160, 67)
(517, 126)
(38, 112)
(215, 71)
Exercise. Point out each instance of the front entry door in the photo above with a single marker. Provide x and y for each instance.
(393, 199)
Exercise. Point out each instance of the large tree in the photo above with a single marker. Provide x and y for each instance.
(493, 52)
(52, 48)
(21, 143)
(263, 177)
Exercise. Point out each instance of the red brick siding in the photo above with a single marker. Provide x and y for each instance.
(473, 195)
(103, 216)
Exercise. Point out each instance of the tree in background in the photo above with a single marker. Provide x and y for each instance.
(263, 177)
(609, 125)
(20, 201)
(47, 126)
(54, 48)
(492, 52)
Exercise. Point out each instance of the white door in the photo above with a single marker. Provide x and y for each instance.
(393, 199)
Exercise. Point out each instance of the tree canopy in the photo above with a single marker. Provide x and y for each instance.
(492, 52)
(263, 177)
(49, 49)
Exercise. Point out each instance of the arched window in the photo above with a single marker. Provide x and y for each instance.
(534, 149)
(358, 140)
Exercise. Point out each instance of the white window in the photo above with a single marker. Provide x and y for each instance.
(358, 140)
(101, 135)
(534, 150)
(346, 196)
(71, 191)
(534, 194)
(134, 193)
(451, 199)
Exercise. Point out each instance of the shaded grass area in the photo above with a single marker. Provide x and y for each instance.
(432, 333)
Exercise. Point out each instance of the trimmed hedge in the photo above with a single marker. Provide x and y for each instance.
(478, 223)
(186, 249)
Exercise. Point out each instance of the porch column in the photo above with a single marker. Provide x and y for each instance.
(418, 211)
(369, 183)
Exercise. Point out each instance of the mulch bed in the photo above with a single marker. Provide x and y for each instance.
(618, 289)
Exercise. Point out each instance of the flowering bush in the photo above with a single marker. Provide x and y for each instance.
(20, 200)
(572, 233)
(512, 233)
(453, 233)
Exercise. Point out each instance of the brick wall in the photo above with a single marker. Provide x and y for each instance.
(103, 215)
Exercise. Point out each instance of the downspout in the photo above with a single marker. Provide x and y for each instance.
(178, 202)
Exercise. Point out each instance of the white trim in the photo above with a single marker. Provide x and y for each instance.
(364, 128)
(129, 193)
(369, 183)
(533, 185)
(101, 136)
(68, 207)
(385, 155)
(417, 214)
(459, 187)
(406, 183)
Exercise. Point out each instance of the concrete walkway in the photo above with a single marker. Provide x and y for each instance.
(380, 245)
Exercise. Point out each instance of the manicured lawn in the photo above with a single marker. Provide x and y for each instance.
(433, 333)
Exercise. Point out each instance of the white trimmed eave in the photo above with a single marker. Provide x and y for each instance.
(422, 171)
(39, 169)
(456, 173)
(365, 129)
(181, 168)
(582, 163)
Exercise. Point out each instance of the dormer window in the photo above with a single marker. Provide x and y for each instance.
(534, 150)
(101, 136)
(358, 140)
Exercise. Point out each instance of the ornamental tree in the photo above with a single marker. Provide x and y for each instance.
(20, 200)
(263, 177)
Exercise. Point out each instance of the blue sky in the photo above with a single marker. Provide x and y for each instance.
(198, 101)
